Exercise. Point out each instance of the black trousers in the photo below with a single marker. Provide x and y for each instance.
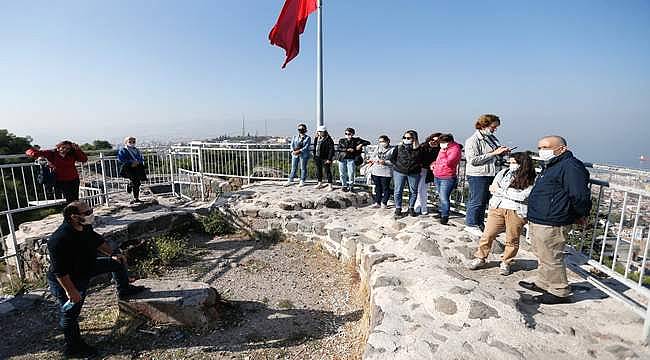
(69, 190)
(320, 165)
(382, 189)
(135, 186)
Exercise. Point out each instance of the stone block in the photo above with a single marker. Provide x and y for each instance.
(173, 302)
(292, 226)
(305, 226)
(335, 234)
(267, 213)
(429, 246)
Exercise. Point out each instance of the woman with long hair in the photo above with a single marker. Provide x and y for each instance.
(428, 153)
(508, 207)
(407, 165)
(445, 169)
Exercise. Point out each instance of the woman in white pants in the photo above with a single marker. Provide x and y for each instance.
(429, 154)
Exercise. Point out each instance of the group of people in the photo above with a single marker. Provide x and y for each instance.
(61, 165)
(502, 183)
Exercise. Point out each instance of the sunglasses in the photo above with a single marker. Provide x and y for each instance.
(349, 134)
(407, 138)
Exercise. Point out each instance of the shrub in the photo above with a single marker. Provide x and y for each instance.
(162, 252)
(217, 223)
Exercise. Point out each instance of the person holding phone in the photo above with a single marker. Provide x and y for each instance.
(483, 155)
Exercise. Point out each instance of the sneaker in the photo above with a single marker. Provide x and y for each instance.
(384, 206)
(504, 269)
(319, 185)
(398, 213)
(424, 213)
(412, 212)
(375, 206)
(330, 187)
(130, 291)
(476, 264)
(301, 184)
(345, 189)
(129, 188)
(444, 220)
(288, 183)
(550, 299)
(351, 188)
(474, 230)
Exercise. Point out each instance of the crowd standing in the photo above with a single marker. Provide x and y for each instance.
(502, 183)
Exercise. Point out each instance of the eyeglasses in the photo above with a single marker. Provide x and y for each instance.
(348, 134)
(407, 138)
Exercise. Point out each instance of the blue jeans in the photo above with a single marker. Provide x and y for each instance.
(69, 319)
(444, 188)
(346, 171)
(479, 195)
(400, 180)
(382, 189)
(303, 167)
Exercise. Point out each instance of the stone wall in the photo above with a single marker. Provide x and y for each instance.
(423, 302)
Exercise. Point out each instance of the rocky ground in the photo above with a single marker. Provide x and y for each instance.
(285, 300)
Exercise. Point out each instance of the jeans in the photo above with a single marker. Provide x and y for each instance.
(69, 190)
(69, 319)
(346, 169)
(303, 167)
(479, 195)
(423, 194)
(444, 188)
(382, 189)
(400, 181)
(320, 164)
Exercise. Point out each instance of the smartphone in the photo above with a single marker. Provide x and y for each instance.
(512, 148)
(68, 305)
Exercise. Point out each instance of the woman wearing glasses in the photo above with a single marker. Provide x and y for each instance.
(407, 164)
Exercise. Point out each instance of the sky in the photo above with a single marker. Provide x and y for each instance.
(86, 70)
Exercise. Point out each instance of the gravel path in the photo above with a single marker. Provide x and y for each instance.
(285, 301)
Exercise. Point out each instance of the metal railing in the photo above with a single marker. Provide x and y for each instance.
(613, 244)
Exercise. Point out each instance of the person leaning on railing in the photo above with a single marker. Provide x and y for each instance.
(428, 153)
(62, 160)
(510, 190)
(483, 154)
(444, 170)
(560, 198)
(132, 167)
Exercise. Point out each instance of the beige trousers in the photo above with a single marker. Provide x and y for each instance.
(498, 221)
(548, 245)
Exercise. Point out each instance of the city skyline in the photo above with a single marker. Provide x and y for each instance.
(91, 70)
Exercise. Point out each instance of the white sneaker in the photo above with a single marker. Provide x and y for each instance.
(375, 206)
(288, 183)
(476, 264)
(474, 230)
(301, 184)
(330, 187)
(384, 206)
(504, 269)
(319, 185)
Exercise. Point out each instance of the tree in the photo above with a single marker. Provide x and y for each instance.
(12, 144)
(97, 145)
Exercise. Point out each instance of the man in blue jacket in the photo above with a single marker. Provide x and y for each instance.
(560, 198)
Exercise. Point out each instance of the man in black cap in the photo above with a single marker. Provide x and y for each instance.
(73, 249)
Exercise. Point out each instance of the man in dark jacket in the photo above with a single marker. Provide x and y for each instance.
(560, 198)
(350, 149)
(73, 250)
(323, 156)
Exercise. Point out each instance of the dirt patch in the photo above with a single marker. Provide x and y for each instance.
(284, 300)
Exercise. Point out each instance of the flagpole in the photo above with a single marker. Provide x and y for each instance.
(319, 66)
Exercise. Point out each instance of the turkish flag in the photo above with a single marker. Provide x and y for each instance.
(291, 23)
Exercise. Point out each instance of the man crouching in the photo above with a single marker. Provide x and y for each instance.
(78, 253)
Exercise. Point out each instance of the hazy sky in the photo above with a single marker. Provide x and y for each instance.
(104, 69)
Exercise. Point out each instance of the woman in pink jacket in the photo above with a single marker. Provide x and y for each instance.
(444, 169)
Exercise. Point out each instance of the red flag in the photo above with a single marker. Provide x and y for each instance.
(291, 23)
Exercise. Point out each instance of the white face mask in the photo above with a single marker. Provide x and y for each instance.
(444, 145)
(88, 220)
(514, 167)
(383, 144)
(487, 131)
(407, 141)
(546, 154)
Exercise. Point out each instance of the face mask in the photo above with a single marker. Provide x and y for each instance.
(407, 141)
(514, 167)
(444, 145)
(88, 220)
(487, 131)
(131, 145)
(383, 144)
(546, 154)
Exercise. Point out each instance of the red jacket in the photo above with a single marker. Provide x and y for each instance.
(64, 167)
(447, 161)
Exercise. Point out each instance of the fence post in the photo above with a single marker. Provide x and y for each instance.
(201, 174)
(101, 161)
(12, 231)
(248, 163)
(646, 325)
(171, 172)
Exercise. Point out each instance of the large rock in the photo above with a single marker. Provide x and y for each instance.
(184, 303)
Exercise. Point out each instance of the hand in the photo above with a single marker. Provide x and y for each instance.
(296, 152)
(350, 150)
(328, 161)
(74, 296)
(360, 146)
(134, 164)
(120, 258)
(500, 150)
(381, 162)
(494, 188)
(581, 221)
(75, 146)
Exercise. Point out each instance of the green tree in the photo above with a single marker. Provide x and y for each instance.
(97, 145)
(12, 144)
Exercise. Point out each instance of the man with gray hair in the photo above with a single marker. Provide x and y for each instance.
(560, 198)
